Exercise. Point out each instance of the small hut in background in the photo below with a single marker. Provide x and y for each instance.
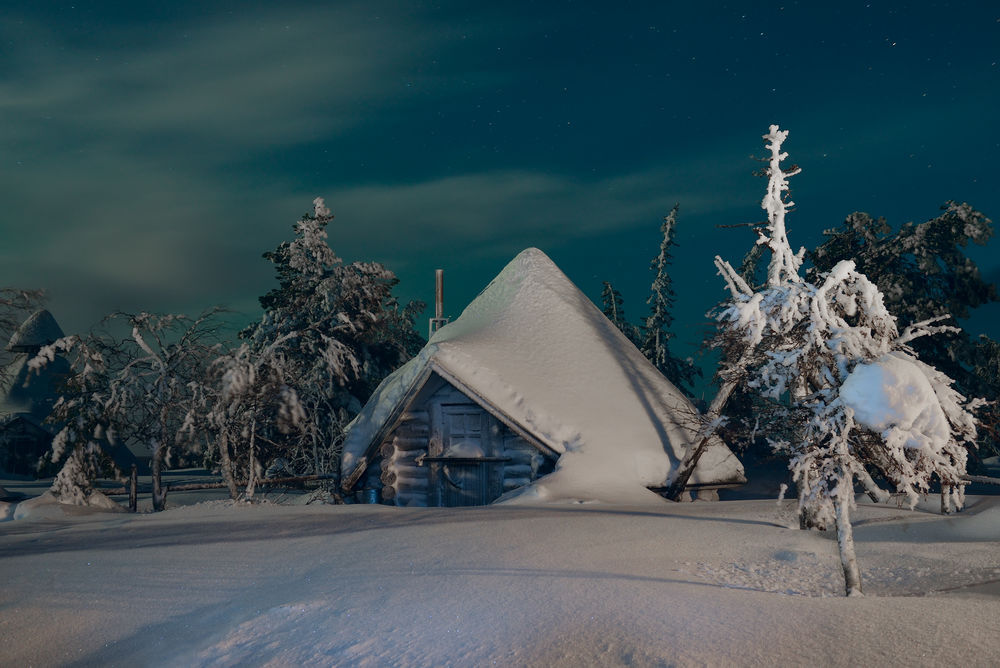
(531, 370)
(26, 398)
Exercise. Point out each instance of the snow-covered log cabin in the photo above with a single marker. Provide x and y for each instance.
(531, 392)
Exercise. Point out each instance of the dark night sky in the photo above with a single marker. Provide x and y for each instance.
(152, 151)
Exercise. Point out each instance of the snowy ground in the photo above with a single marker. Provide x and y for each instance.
(728, 583)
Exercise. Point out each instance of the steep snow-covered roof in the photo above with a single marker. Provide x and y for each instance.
(534, 349)
(27, 392)
(40, 329)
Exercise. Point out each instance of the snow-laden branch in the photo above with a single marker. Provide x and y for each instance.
(923, 328)
(737, 286)
(784, 266)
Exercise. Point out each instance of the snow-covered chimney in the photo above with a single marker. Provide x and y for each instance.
(438, 321)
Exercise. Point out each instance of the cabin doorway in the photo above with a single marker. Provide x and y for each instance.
(467, 473)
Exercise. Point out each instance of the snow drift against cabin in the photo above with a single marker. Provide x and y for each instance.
(537, 350)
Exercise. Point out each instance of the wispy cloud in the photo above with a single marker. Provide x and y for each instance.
(135, 170)
(150, 164)
(514, 208)
(125, 164)
(250, 82)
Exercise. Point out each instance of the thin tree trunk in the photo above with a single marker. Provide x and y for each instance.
(133, 489)
(845, 539)
(315, 454)
(159, 492)
(807, 517)
(252, 460)
(946, 506)
(226, 463)
(694, 452)
(875, 493)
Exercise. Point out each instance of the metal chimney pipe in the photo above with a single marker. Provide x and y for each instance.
(438, 321)
(438, 294)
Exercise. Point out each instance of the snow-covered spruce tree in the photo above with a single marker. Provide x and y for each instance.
(139, 388)
(329, 333)
(655, 332)
(613, 307)
(84, 414)
(987, 366)
(923, 272)
(856, 392)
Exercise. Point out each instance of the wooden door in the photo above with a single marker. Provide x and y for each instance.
(467, 474)
(464, 432)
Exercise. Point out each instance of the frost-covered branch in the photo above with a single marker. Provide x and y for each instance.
(784, 265)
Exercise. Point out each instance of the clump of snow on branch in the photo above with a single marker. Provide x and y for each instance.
(921, 419)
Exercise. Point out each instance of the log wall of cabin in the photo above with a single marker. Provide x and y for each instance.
(526, 462)
(406, 480)
(402, 476)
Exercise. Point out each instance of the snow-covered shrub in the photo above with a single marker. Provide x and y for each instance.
(141, 388)
(853, 391)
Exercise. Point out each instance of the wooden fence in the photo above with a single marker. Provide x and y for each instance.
(131, 488)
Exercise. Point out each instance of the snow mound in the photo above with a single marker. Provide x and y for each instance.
(47, 506)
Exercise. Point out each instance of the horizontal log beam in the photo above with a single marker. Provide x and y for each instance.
(411, 449)
(518, 471)
(391, 463)
(514, 483)
(981, 478)
(410, 485)
(410, 443)
(405, 477)
(390, 476)
(521, 456)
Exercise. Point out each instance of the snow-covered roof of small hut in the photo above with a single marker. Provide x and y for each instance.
(27, 392)
(535, 351)
(40, 329)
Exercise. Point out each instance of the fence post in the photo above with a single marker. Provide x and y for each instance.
(133, 491)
